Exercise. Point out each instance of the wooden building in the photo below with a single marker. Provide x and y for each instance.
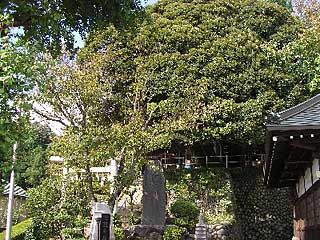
(292, 159)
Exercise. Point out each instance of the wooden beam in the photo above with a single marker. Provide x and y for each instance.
(289, 180)
(303, 146)
(297, 162)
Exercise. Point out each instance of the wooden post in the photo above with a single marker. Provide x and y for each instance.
(206, 161)
(165, 159)
(227, 160)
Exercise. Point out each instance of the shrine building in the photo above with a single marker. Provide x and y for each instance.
(292, 160)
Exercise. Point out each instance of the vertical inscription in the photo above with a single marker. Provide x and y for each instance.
(105, 227)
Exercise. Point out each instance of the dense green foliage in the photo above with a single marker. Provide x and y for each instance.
(118, 233)
(209, 188)
(214, 69)
(185, 212)
(117, 226)
(173, 233)
(184, 209)
(58, 211)
(19, 230)
(193, 71)
(19, 67)
(32, 159)
(53, 23)
(31, 167)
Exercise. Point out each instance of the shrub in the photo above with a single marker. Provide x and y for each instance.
(212, 187)
(18, 231)
(76, 230)
(186, 213)
(118, 233)
(117, 222)
(54, 217)
(173, 233)
(184, 209)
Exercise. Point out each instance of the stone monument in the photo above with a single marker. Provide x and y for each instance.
(201, 229)
(154, 196)
(101, 225)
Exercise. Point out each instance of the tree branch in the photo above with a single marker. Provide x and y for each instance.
(50, 118)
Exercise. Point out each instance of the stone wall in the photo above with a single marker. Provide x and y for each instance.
(260, 213)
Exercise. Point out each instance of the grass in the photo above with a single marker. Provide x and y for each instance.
(18, 229)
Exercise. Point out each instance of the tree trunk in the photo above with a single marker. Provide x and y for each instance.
(114, 195)
(90, 185)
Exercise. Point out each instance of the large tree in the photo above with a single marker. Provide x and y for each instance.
(194, 71)
(215, 65)
(104, 119)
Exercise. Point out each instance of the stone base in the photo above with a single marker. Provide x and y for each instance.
(201, 232)
(218, 231)
(145, 232)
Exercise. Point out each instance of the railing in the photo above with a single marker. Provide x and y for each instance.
(174, 162)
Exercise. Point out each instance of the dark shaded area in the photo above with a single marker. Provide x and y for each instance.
(261, 213)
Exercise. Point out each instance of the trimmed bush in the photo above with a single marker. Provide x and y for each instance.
(186, 213)
(184, 209)
(211, 186)
(18, 231)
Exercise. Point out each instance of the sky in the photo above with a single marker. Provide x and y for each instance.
(149, 2)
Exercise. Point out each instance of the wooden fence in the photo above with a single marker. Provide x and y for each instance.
(171, 161)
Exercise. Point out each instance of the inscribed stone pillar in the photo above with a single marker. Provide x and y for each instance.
(154, 196)
(101, 226)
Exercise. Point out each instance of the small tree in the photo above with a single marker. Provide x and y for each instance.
(52, 217)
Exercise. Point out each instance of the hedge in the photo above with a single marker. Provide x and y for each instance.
(18, 231)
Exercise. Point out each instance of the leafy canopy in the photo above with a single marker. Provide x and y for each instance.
(211, 69)
(54, 22)
(193, 71)
(19, 67)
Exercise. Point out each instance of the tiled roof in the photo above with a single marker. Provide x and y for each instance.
(304, 115)
(18, 191)
(309, 116)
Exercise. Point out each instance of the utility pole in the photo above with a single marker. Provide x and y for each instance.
(11, 195)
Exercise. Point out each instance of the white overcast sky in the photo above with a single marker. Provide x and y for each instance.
(149, 2)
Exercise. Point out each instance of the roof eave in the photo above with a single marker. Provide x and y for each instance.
(280, 127)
